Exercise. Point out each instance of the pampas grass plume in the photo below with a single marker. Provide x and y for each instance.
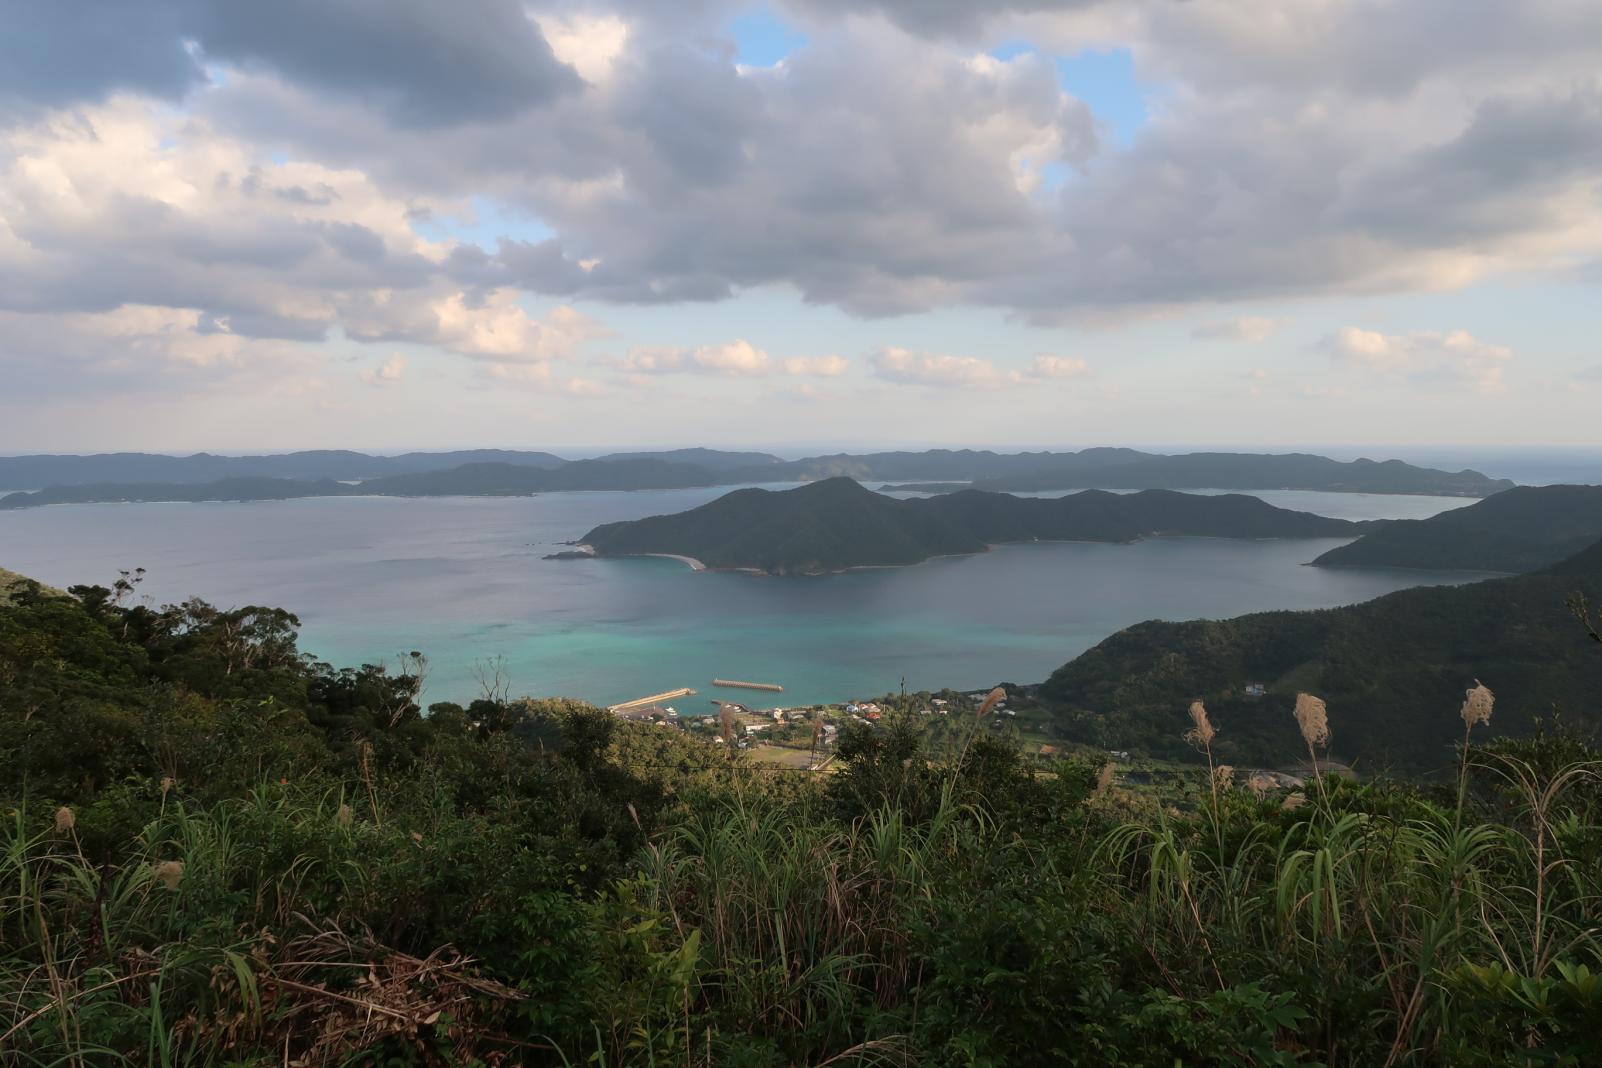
(1477, 705)
(65, 820)
(992, 699)
(1202, 730)
(1313, 719)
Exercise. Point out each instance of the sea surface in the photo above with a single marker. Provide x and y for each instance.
(462, 580)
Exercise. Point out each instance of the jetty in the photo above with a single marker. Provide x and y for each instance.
(653, 699)
(771, 687)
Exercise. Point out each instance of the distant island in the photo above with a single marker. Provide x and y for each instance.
(1251, 471)
(1392, 670)
(119, 477)
(1520, 530)
(469, 480)
(837, 523)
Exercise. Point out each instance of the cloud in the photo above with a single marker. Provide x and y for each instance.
(817, 366)
(420, 63)
(1253, 329)
(1044, 366)
(895, 364)
(925, 369)
(388, 373)
(738, 357)
(734, 359)
(1427, 357)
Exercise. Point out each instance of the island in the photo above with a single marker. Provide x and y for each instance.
(1393, 671)
(837, 523)
(128, 477)
(1520, 530)
(1253, 471)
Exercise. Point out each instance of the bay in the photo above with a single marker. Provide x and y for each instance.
(463, 581)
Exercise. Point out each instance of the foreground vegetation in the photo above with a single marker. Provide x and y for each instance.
(216, 851)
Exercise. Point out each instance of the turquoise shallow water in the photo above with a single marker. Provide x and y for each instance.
(462, 580)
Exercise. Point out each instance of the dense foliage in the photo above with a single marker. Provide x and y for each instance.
(1524, 529)
(837, 523)
(216, 851)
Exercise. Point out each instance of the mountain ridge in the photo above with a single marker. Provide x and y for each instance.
(835, 524)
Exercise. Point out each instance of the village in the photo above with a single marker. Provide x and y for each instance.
(804, 737)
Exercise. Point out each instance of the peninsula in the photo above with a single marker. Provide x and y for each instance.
(1391, 669)
(837, 524)
(1520, 530)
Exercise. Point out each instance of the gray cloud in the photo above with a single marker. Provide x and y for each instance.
(423, 63)
(59, 53)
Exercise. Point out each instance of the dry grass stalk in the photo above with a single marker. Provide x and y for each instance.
(65, 820)
(1293, 801)
(1259, 784)
(1104, 779)
(1312, 717)
(1477, 705)
(1224, 777)
(992, 699)
(1202, 731)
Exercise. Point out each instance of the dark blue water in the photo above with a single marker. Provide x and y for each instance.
(462, 580)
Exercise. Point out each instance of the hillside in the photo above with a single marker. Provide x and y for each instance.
(497, 480)
(10, 580)
(469, 480)
(1518, 530)
(1251, 471)
(1393, 671)
(837, 523)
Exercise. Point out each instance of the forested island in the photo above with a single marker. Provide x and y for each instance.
(126, 477)
(837, 524)
(218, 849)
(1520, 530)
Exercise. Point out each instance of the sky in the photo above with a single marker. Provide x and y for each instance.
(392, 224)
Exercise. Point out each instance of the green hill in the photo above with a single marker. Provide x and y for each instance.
(1393, 671)
(1251, 471)
(1518, 530)
(836, 523)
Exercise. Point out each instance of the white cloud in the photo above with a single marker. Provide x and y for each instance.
(590, 44)
(1045, 366)
(926, 369)
(1253, 329)
(830, 366)
(733, 359)
(1427, 357)
(896, 364)
(388, 373)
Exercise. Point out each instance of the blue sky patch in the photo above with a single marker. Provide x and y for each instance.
(488, 221)
(762, 39)
(1104, 79)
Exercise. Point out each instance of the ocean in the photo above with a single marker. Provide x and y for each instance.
(462, 581)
